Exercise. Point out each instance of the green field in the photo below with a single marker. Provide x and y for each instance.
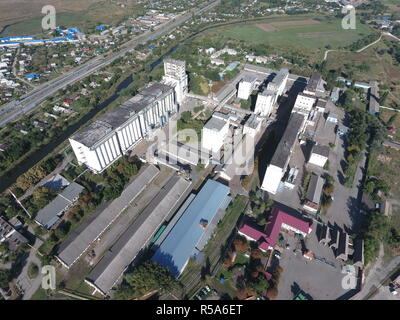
(315, 35)
(106, 12)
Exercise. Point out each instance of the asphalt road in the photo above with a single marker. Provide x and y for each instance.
(15, 109)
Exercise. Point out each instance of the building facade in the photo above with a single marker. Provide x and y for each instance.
(108, 138)
(175, 75)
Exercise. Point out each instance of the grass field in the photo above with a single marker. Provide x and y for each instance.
(289, 31)
(387, 170)
(379, 66)
(23, 18)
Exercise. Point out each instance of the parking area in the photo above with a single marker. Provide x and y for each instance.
(321, 278)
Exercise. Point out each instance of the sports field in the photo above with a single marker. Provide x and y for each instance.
(308, 33)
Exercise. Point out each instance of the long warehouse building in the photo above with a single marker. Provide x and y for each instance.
(194, 228)
(77, 244)
(119, 257)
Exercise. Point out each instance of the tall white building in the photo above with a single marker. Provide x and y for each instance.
(278, 83)
(214, 134)
(246, 86)
(265, 103)
(315, 85)
(267, 99)
(304, 103)
(175, 75)
(108, 138)
(280, 160)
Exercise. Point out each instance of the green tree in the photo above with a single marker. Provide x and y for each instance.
(5, 276)
(145, 278)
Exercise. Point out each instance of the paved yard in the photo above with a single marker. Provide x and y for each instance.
(321, 278)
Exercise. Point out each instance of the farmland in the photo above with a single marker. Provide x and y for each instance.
(313, 33)
(23, 18)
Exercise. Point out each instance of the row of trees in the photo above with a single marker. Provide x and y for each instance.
(377, 229)
(365, 130)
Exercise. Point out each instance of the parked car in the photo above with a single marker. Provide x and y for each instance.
(277, 254)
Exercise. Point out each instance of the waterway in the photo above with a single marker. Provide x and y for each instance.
(45, 150)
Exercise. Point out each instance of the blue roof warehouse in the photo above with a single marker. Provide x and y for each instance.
(194, 228)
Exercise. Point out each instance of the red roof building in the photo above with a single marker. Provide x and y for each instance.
(279, 220)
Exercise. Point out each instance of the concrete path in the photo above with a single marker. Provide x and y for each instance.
(27, 285)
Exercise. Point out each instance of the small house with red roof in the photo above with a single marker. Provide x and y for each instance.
(279, 220)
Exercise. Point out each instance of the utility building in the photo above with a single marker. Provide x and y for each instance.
(319, 155)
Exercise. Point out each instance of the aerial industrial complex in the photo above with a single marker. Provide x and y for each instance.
(187, 152)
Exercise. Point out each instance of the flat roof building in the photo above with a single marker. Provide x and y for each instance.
(265, 102)
(214, 133)
(10, 236)
(118, 131)
(281, 157)
(319, 155)
(315, 84)
(278, 83)
(53, 212)
(119, 257)
(196, 225)
(246, 86)
(76, 245)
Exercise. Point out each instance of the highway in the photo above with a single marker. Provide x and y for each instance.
(14, 109)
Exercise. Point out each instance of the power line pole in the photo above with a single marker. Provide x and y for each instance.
(19, 203)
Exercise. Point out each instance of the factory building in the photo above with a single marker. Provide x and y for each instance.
(175, 75)
(314, 193)
(265, 103)
(108, 138)
(252, 126)
(267, 99)
(304, 103)
(277, 167)
(278, 84)
(214, 133)
(78, 242)
(315, 85)
(135, 239)
(246, 86)
(194, 228)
